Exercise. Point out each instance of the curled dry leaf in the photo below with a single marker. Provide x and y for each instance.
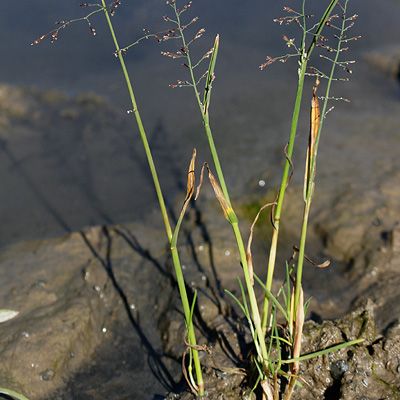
(226, 207)
(191, 180)
(249, 242)
(200, 182)
(189, 194)
(322, 265)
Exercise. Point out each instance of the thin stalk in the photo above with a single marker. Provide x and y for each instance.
(139, 122)
(302, 246)
(309, 189)
(233, 221)
(160, 197)
(203, 112)
(282, 190)
(214, 154)
(305, 56)
(188, 319)
(252, 297)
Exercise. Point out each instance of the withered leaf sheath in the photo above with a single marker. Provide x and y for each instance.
(226, 207)
(315, 120)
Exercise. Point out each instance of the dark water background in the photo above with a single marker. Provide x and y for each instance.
(251, 109)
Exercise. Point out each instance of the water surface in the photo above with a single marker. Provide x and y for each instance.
(56, 180)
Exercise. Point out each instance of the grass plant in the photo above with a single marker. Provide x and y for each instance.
(197, 384)
(294, 300)
(277, 346)
(303, 54)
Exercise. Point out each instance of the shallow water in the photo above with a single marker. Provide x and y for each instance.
(251, 109)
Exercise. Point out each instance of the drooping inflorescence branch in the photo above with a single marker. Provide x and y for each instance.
(53, 35)
(335, 51)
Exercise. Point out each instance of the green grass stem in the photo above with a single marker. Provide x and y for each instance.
(309, 184)
(160, 197)
(204, 111)
(304, 58)
(252, 297)
(323, 352)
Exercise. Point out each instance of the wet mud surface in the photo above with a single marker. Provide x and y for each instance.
(99, 317)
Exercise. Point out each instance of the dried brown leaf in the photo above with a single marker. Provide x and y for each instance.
(226, 207)
(200, 182)
(189, 194)
(322, 265)
(315, 120)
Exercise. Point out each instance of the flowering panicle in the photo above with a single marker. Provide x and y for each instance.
(53, 35)
(333, 52)
(338, 24)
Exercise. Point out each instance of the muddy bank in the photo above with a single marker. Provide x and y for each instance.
(365, 371)
(90, 326)
(84, 328)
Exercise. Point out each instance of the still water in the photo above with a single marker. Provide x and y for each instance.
(55, 177)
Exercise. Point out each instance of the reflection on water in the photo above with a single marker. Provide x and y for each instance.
(250, 114)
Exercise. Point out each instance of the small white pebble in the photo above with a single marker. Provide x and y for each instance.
(261, 183)
(227, 253)
(203, 278)
(104, 330)
(132, 307)
(183, 266)
(25, 334)
(201, 247)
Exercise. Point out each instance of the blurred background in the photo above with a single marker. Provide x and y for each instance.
(70, 155)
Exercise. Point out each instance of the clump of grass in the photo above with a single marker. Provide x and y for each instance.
(277, 346)
(291, 307)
